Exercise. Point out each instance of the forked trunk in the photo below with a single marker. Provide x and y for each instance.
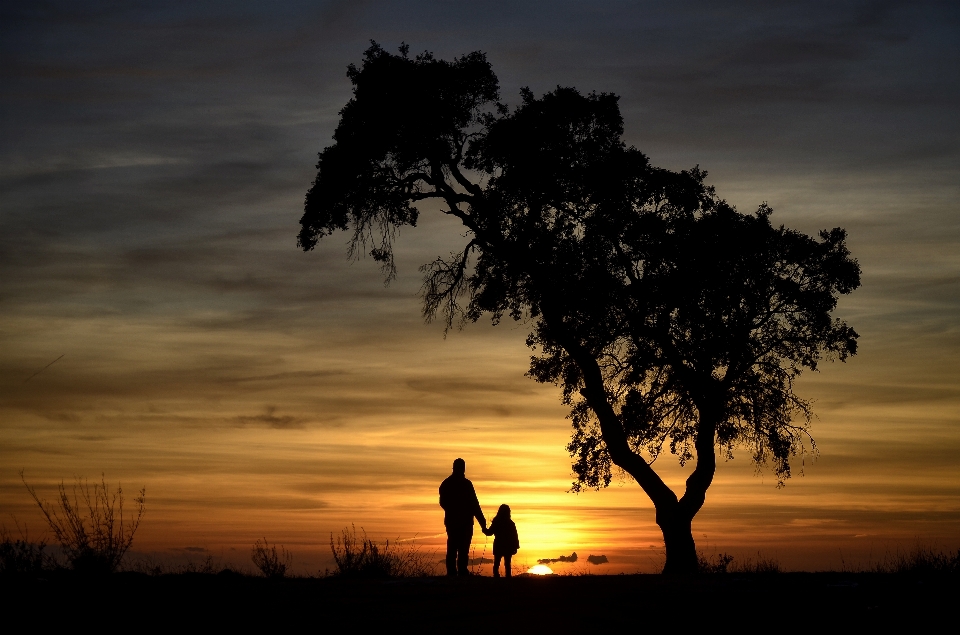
(675, 517)
(678, 540)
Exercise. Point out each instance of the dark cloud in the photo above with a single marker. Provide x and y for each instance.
(273, 420)
(475, 561)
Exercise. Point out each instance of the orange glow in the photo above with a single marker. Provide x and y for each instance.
(354, 416)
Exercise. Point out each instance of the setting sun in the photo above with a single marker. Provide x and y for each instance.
(540, 569)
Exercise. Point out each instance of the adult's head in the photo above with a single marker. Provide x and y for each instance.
(459, 467)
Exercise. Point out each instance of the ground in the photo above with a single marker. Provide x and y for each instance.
(785, 601)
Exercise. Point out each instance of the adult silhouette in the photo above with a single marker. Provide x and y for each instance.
(460, 506)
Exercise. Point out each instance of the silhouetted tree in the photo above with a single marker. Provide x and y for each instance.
(665, 315)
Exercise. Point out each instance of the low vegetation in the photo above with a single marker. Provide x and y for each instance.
(357, 556)
(725, 563)
(90, 525)
(921, 561)
(20, 556)
(270, 561)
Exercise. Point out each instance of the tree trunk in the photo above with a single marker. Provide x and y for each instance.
(674, 516)
(678, 539)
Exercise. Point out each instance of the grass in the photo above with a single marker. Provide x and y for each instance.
(725, 563)
(20, 556)
(271, 562)
(921, 560)
(357, 556)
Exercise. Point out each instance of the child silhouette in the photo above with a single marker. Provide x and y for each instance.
(505, 542)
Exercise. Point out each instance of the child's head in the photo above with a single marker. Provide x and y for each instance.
(503, 512)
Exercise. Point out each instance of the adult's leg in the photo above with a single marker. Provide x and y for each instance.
(496, 566)
(506, 565)
(463, 552)
(451, 553)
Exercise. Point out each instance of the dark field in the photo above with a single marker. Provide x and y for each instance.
(785, 601)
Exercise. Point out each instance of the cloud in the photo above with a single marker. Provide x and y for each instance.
(573, 558)
(476, 561)
(279, 422)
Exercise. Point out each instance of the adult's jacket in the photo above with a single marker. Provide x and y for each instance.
(459, 502)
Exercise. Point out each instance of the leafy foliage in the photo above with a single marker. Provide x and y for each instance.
(717, 316)
(409, 119)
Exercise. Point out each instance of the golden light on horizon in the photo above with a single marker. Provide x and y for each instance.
(540, 569)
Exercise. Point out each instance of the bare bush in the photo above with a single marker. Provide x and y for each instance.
(90, 525)
(271, 562)
(356, 555)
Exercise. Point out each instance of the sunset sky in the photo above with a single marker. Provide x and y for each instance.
(153, 162)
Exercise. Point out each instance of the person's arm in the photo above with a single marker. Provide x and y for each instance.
(476, 507)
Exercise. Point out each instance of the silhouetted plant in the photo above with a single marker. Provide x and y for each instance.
(90, 524)
(207, 566)
(356, 555)
(761, 565)
(718, 563)
(148, 566)
(20, 556)
(921, 561)
(272, 562)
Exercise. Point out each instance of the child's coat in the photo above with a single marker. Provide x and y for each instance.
(506, 542)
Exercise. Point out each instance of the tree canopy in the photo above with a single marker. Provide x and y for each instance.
(666, 316)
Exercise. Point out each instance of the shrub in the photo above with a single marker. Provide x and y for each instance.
(716, 564)
(271, 562)
(21, 557)
(207, 566)
(90, 525)
(356, 555)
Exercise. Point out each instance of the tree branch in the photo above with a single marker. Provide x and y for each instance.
(614, 436)
(699, 481)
